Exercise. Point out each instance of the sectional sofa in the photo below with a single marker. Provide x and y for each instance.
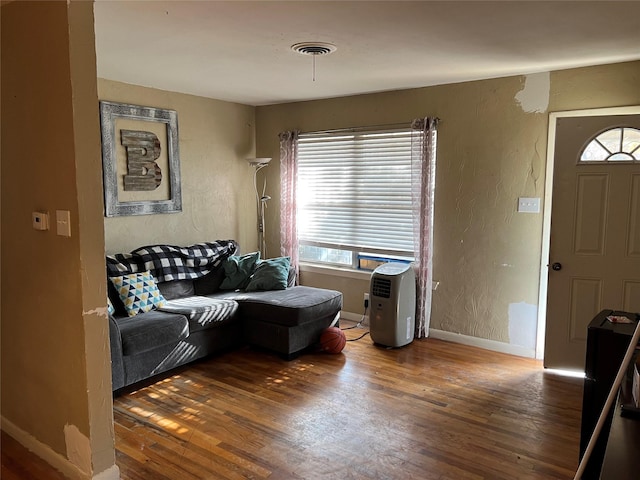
(171, 305)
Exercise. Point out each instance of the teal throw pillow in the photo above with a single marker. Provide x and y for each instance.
(271, 274)
(110, 308)
(138, 292)
(238, 269)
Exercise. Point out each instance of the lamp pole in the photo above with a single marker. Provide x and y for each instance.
(261, 201)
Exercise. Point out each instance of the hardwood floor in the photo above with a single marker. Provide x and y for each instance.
(430, 410)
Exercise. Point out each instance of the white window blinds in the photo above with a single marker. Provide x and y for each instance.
(354, 190)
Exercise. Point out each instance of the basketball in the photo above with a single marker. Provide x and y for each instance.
(332, 340)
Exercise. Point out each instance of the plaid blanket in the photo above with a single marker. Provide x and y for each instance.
(168, 262)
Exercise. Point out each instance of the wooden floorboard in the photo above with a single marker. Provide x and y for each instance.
(430, 410)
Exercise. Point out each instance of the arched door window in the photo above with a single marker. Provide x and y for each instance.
(620, 144)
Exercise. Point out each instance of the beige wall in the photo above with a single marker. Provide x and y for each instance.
(491, 150)
(56, 389)
(215, 138)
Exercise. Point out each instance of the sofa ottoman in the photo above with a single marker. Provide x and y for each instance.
(287, 321)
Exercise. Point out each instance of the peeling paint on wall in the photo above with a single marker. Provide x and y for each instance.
(78, 448)
(523, 319)
(534, 97)
(102, 311)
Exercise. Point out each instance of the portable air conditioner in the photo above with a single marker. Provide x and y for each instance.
(392, 299)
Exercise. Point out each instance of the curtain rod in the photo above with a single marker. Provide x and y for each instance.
(362, 129)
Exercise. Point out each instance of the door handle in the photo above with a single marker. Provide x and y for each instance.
(556, 266)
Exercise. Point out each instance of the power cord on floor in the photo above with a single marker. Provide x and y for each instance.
(359, 324)
(358, 338)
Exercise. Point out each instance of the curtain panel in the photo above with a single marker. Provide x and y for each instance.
(288, 197)
(423, 180)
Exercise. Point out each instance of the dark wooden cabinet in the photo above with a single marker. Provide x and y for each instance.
(607, 344)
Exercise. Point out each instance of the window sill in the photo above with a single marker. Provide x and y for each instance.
(335, 271)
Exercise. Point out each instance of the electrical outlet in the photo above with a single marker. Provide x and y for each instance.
(528, 205)
(366, 300)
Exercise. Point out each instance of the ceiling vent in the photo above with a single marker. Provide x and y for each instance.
(314, 48)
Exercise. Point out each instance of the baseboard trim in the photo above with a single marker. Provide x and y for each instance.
(111, 473)
(353, 317)
(53, 458)
(483, 343)
(492, 345)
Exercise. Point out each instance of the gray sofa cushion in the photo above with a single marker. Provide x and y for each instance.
(290, 307)
(115, 344)
(150, 330)
(210, 283)
(176, 289)
(203, 312)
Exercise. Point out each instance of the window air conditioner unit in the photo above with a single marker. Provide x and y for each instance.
(392, 300)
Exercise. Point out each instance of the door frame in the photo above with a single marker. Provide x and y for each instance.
(546, 211)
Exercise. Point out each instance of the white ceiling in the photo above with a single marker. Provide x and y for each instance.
(240, 51)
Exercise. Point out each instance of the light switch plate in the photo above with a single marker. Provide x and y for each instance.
(63, 223)
(529, 205)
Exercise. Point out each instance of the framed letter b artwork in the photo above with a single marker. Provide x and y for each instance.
(140, 160)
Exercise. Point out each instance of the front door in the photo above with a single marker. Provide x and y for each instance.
(594, 256)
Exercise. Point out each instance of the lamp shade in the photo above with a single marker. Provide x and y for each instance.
(254, 162)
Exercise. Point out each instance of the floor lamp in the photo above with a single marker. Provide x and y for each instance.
(261, 201)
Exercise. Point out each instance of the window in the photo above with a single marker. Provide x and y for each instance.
(354, 197)
(620, 144)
